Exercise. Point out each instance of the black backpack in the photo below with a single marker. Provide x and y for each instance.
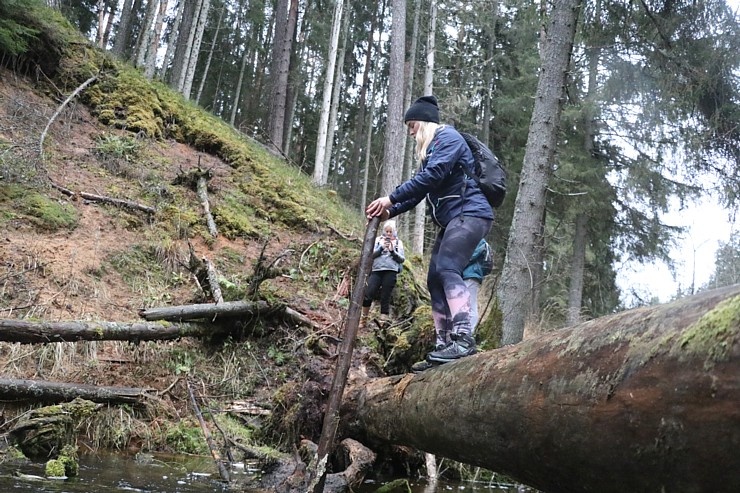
(488, 172)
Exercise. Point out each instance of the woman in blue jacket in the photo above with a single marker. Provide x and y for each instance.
(462, 213)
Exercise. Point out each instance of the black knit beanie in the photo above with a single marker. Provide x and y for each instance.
(424, 109)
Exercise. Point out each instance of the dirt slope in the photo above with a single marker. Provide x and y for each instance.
(67, 258)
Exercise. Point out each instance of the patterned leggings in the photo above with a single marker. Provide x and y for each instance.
(450, 297)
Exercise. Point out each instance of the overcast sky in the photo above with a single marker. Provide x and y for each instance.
(708, 224)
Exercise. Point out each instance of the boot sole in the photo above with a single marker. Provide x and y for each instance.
(433, 359)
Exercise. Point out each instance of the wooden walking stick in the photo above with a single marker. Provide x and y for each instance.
(331, 416)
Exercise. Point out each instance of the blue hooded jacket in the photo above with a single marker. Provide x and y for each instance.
(449, 192)
(476, 268)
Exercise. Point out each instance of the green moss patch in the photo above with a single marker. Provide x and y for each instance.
(714, 334)
(186, 437)
(21, 203)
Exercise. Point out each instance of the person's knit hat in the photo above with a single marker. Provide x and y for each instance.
(424, 109)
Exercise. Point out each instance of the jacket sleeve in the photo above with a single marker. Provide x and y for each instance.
(402, 207)
(378, 248)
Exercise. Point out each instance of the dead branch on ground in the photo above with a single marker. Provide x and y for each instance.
(205, 274)
(79, 89)
(126, 204)
(213, 281)
(207, 434)
(197, 179)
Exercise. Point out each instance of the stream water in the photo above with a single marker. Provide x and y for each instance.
(102, 473)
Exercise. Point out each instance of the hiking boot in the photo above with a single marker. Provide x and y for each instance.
(461, 346)
(421, 366)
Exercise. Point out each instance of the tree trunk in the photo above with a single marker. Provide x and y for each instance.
(490, 76)
(150, 66)
(361, 127)
(145, 35)
(344, 360)
(170, 63)
(643, 400)
(337, 89)
(285, 24)
(516, 284)
(368, 149)
(394, 127)
(577, 264)
(238, 90)
(206, 310)
(202, 192)
(111, 8)
(40, 332)
(296, 78)
(185, 38)
(409, 144)
(331, 62)
(123, 32)
(195, 50)
(39, 390)
(100, 6)
(210, 55)
(226, 309)
(420, 210)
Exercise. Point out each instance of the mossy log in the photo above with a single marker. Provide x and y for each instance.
(643, 400)
(45, 432)
(206, 310)
(226, 309)
(39, 332)
(40, 390)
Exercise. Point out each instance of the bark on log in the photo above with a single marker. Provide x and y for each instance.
(206, 310)
(29, 332)
(644, 400)
(226, 309)
(39, 390)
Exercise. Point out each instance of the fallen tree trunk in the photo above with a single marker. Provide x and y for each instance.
(644, 400)
(225, 309)
(206, 310)
(37, 332)
(40, 390)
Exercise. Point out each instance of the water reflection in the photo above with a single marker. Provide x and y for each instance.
(109, 472)
(106, 472)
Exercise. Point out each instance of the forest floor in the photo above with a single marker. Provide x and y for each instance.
(66, 259)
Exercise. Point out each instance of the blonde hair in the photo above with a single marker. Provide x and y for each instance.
(424, 137)
(392, 224)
